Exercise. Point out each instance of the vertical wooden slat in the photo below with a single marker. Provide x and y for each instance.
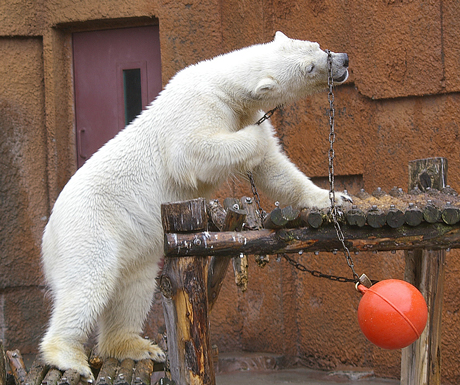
(2, 364)
(183, 284)
(421, 361)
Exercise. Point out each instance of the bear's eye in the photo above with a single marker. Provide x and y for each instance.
(310, 68)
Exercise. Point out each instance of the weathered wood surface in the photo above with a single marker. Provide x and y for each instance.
(17, 366)
(183, 285)
(185, 216)
(2, 364)
(234, 219)
(421, 361)
(425, 269)
(126, 372)
(426, 235)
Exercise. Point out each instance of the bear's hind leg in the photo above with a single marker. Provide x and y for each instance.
(62, 345)
(122, 321)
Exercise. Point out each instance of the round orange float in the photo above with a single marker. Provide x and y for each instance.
(392, 314)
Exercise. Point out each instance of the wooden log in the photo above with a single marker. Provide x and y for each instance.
(216, 213)
(413, 215)
(275, 219)
(450, 214)
(292, 215)
(433, 236)
(70, 377)
(52, 377)
(235, 215)
(217, 269)
(107, 372)
(312, 217)
(36, 373)
(394, 218)
(2, 364)
(431, 213)
(185, 216)
(143, 372)
(375, 217)
(240, 268)
(17, 366)
(185, 302)
(355, 217)
(125, 371)
(253, 220)
(421, 361)
(430, 172)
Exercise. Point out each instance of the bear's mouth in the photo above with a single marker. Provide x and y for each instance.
(342, 77)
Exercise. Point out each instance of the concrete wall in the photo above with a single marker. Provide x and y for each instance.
(401, 103)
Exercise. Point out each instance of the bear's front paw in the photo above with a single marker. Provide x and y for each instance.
(342, 199)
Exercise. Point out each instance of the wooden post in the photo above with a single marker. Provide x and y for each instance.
(183, 285)
(421, 362)
(2, 364)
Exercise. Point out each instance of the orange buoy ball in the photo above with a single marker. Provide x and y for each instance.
(392, 314)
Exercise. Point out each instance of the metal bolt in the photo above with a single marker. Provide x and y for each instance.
(411, 204)
(277, 204)
(316, 253)
(374, 207)
(354, 207)
(300, 252)
(197, 241)
(392, 206)
(248, 200)
(14, 355)
(236, 206)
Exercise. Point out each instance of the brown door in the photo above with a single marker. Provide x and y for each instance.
(117, 73)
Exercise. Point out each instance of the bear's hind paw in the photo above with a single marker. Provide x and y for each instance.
(156, 354)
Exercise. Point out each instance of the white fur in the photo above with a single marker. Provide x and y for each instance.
(104, 240)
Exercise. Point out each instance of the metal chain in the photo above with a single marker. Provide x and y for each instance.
(255, 193)
(315, 273)
(331, 155)
(335, 213)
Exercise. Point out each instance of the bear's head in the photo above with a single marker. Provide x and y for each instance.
(294, 69)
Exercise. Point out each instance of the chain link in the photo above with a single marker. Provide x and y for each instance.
(315, 273)
(331, 155)
(262, 213)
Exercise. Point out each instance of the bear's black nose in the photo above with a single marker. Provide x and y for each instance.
(345, 60)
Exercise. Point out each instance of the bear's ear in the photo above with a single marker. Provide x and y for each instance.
(280, 36)
(265, 85)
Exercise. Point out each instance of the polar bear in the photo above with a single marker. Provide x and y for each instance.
(104, 240)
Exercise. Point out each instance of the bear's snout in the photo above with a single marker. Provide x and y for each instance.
(345, 60)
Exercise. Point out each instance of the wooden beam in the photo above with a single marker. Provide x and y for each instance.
(426, 235)
(421, 361)
(183, 285)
